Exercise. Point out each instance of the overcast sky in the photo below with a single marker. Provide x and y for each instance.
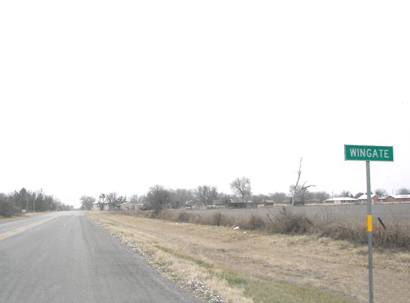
(101, 96)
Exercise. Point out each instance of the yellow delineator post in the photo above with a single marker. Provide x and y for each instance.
(369, 223)
(369, 153)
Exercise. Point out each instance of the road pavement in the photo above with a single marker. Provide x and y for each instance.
(65, 257)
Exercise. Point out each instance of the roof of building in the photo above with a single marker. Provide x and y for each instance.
(341, 199)
(364, 197)
(401, 197)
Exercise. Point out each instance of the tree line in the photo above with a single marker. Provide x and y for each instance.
(29, 201)
(159, 197)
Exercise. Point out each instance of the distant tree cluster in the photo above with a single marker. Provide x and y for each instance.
(87, 202)
(109, 201)
(403, 191)
(16, 202)
(206, 194)
(159, 197)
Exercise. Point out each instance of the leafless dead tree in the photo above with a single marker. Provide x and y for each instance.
(299, 190)
(242, 188)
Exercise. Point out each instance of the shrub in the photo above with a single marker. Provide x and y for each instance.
(352, 232)
(183, 217)
(289, 223)
(394, 236)
(254, 223)
(217, 219)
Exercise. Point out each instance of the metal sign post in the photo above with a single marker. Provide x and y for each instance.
(369, 153)
(369, 233)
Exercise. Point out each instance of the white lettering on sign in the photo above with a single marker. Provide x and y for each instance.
(386, 153)
(352, 152)
(369, 153)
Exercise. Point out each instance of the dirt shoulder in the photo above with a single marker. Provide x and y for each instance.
(20, 217)
(254, 267)
(9, 219)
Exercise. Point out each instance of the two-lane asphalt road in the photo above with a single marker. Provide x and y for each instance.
(65, 257)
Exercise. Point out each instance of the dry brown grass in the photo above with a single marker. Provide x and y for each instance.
(246, 266)
(392, 236)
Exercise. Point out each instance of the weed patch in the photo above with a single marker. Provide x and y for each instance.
(267, 291)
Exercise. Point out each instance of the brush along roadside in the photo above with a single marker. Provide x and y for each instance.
(246, 266)
(390, 236)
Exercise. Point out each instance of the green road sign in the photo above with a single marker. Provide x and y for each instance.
(368, 153)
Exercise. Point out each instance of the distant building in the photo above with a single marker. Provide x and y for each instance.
(363, 197)
(385, 199)
(398, 198)
(238, 203)
(130, 206)
(195, 204)
(268, 203)
(342, 200)
(217, 204)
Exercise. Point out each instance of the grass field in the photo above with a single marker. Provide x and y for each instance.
(345, 222)
(389, 213)
(245, 266)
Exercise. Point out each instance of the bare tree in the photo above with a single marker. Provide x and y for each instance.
(380, 192)
(158, 198)
(278, 197)
(345, 193)
(87, 202)
(179, 197)
(242, 188)
(315, 196)
(101, 201)
(298, 191)
(134, 199)
(113, 200)
(206, 194)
